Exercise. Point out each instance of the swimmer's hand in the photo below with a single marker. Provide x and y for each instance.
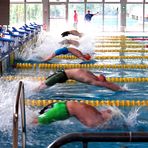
(35, 121)
(66, 33)
(44, 59)
(123, 89)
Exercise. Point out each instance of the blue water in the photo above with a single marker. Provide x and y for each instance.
(133, 119)
(41, 136)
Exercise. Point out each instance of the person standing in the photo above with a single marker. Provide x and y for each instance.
(75, 17)
(89, 16)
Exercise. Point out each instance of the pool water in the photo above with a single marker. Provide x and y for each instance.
(133, 119)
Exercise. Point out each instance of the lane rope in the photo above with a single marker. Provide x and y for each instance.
(122, 103)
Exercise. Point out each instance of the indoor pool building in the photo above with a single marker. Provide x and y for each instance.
(73, 73)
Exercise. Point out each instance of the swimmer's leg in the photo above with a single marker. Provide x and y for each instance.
(77, 53)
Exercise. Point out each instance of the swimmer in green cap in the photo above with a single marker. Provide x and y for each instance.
(86, 114)
(80, 75)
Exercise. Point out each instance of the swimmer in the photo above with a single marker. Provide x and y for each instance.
(69, 41)
(86, 114)
(72, 32)
(80, 75)
(65, 50)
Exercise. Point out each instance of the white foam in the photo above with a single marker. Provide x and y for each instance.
(8, 92)
(131, 119)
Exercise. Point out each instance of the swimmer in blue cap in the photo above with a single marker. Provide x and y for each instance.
(86, 114)
(80, 75)
(65, 50)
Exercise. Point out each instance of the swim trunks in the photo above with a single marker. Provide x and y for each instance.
(58, 77)
(63, 50)
(57, 112)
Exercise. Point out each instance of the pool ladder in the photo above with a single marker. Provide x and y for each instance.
(84, 138)
(20, 101)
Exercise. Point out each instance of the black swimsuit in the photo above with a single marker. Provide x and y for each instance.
(58, 77)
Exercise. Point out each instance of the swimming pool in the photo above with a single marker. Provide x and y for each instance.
(131, 119)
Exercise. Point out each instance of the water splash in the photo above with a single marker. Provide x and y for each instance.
(48, 42)
(8, 93)
(131, 119)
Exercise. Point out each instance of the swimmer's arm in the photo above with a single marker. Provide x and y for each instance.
(96, 13)
(111, 86)
(49, 57)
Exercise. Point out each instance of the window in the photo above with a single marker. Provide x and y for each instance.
(11, 1)
(34, 13)
(76, 0)
(17, 14)
(134, 1)
(94, 0)
(57, 1)
(134, 17)
(33, 0)
(146, 18)
(112, 0)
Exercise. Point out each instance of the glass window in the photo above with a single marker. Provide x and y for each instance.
(33, 0)
(94, 0)
(79, 8)
(135, 1)
(57, 16)
(146, 18)
(11, 1)
(17, 15)
(57, 11)
(76, 0)
(111, 17)
(34, 13)
(96, 20)
(112, 0)
(134, 17)
(57, 1)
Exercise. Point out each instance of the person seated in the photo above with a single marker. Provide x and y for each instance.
(69, 41)
(72, 32)
(66, 50)
(80, 75)
(86, 114)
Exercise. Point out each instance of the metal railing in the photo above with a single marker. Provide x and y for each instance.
(20, 101)
(84, 138)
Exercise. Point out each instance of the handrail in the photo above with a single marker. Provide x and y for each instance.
(20, 98)
(100, 137)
